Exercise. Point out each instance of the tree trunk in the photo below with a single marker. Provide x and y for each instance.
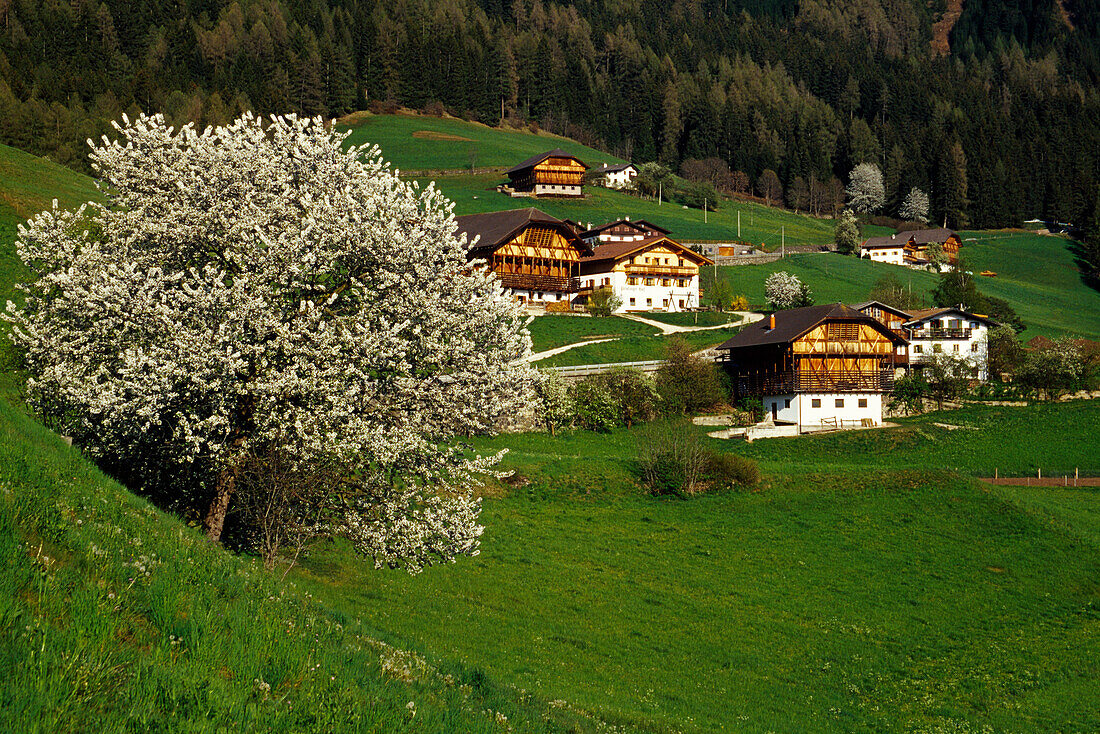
(219, 507)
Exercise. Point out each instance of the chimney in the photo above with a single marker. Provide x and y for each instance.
(771, 322)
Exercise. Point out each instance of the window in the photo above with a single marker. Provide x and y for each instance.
(649, 303)
(681, 303)
(607, 281)
(786, 402)
(664, 303)
(917, 349)
(682, 283)
(973, 347)
(680, 261)
(649, 281)
(954, 324)
(974, 325)
(631, 301)
(955, 347)
(666, 282)
(815, 403)
(863, 402)
(840, 402)
(632, 281)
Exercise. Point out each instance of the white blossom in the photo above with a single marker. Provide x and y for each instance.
(915, 206)
(259, 284)
(783, 290)
(866, 192)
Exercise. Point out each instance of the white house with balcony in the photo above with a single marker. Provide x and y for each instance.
(951, 331)
(615, 175)
(648, 273)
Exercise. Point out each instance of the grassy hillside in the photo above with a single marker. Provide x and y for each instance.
(418, 143)
(548, 332)
(28, 185)
(845, 598)
(761, 225)
(1035, 273)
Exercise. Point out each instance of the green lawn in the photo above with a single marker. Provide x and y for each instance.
(636, 348)
(847, 598)
(761, 225)
(1036, 274)
(550, 331)
(831, 277)
(418, 143)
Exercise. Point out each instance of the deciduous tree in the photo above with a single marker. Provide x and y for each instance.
(865, 189)
(258, 290)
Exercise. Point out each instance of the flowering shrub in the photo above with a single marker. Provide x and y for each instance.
(784, 290)
(257, 288)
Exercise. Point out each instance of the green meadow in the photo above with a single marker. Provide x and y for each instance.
(1036, 274)
(420, 142)
(839, 597)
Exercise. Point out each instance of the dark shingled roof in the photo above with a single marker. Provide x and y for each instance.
(639, 224)
(927, 313)
(793, 323)
(614, 167)
(535, 160)
(919, 237)
(884, 307)
(496, 228)
(616, 250)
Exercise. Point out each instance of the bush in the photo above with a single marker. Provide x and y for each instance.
(634, 392)
(674, 460)
(603, 301)
(597, 409)
(686, 383)
(725, 471)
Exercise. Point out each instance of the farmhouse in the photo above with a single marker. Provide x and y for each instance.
(615, 176)
(536, 256)
(622, 230)
(949, 331)
(912, 248)
(893, 319)
(646, 271)
(553, 173)
(818, 366)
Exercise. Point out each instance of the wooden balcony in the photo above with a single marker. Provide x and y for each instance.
(533, 282)
(665, 271)
(941, 334)
(791, 382)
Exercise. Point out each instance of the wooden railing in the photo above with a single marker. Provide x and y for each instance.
(941, 334)
(788, 383)
(532, 282)
(662, 270)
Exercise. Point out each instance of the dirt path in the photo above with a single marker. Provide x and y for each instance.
(558, 350)
(747, 317)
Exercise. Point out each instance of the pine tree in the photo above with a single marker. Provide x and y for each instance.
(1090, 246)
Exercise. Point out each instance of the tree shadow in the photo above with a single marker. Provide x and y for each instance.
(1090, 279)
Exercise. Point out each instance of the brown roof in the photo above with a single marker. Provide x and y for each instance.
(922, 314)
(496, 228)
(535, 160)
(619, 250)
(641, 225)
(927, 236)
(793, 323)
(883, 306)
(918, 236)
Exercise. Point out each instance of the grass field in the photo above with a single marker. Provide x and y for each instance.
(418, 143)
(1035, 274)
(636, 348)
(760, 225)
(848, 598)
(548, 332)
(696, 318)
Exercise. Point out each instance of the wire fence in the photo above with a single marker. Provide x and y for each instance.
(1043, 478)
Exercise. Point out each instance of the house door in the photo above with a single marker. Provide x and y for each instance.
(775, 410)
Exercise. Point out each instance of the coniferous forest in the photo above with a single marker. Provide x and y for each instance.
(996, 115)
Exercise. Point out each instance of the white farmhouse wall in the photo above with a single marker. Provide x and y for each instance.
(973, 349)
